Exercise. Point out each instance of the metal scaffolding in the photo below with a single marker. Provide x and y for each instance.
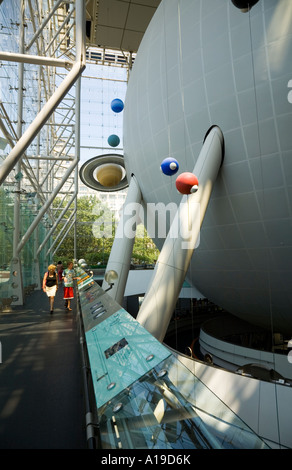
(42, 57)
(43, 51)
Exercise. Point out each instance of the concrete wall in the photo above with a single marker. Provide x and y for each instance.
(231, 356)
(265, 407)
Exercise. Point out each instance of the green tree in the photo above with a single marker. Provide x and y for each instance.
(144, 250)
(91, 245)
(95, 235)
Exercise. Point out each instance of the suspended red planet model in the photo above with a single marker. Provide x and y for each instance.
(187, 183)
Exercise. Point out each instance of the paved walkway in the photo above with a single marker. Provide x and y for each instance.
(41, 392)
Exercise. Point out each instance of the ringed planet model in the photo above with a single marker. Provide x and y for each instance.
(106, 172)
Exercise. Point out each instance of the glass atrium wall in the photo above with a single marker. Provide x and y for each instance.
(43, 33)
(39, 135)
(100, 85)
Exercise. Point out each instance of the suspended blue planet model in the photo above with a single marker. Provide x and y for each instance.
(113, 140)
(169, 166)
(117, 105)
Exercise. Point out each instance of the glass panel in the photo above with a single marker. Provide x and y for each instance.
(145, 397)
(154, 414)
(30, 184)
(6, 245)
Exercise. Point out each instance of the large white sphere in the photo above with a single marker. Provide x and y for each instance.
(204, 62)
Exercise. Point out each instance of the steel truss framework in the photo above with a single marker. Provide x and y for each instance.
(43, 54)
(44, 134)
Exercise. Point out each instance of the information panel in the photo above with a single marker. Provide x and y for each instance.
(120, 352)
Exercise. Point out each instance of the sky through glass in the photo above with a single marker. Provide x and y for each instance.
(99, 86)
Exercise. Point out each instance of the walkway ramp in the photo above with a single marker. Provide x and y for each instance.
(145, 397)
(41, 387)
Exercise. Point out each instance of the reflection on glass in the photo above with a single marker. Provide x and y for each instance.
(169, 408)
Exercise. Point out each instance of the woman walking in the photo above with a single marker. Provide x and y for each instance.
(50, 285)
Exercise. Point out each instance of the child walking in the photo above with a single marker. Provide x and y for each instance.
(69, 276)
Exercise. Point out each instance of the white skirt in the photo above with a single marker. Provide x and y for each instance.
(51, 291)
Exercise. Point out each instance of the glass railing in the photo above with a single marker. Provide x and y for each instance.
(153, 413)
(145, 397)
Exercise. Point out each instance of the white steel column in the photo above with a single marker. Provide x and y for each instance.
(13, 160)
(46, 206)
(173, 262)
(72, 216)
(39, 121)
(78, 67)
(33, 59)
(121, 252)
(77, 155)
(16, 278)
(51, 231)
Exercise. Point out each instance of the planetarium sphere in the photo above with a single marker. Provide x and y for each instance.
(203, 63)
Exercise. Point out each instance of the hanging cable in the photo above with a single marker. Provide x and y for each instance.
(166, 79)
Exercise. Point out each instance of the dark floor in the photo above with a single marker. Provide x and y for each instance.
(41, 393)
